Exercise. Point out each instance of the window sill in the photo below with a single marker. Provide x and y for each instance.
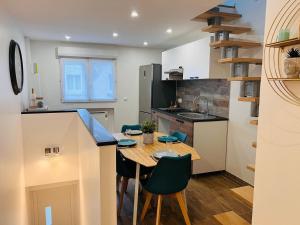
(96, 101)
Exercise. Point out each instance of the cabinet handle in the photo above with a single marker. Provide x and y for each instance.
(180, 121)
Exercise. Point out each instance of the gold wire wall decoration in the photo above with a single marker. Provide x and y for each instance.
(288, 16)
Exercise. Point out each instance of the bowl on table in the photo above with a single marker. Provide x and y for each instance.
(168, 139)
(126, 143)
(163, 153)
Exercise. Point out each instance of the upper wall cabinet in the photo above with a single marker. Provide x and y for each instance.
(197, 59)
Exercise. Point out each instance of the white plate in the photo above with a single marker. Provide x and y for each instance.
(134, 132)
(163, 153)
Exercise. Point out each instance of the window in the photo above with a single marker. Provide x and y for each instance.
(88, 80)
(48, 215)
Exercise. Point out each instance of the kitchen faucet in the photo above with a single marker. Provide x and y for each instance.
(206, 100)
(195, 103)
(194, 106)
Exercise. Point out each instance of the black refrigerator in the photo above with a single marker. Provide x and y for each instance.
(153, 92)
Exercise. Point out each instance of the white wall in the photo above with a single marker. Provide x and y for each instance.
(89, 176)
(128, 62)
(50, 129)
(80, 159)
(277, 180)
(240, 133)
(12, 192)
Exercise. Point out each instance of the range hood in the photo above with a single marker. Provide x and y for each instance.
(175, 74)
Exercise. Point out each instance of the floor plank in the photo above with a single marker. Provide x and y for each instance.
(230, 218)
(245, 193)
(207, 195)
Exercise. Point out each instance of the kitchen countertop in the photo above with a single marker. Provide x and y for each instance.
(174, 114)
(101, 136)
(49, 111)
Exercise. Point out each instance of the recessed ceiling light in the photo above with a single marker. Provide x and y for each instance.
(169, 30)
(115, 34)
(67, 37)
(145, 43)
(134, 14)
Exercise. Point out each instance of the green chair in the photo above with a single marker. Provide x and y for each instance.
(169, 177)
(130, 127)
(180, 135)
(126, 169)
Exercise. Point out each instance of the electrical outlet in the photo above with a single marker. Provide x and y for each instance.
(55, 150)
(52, 151)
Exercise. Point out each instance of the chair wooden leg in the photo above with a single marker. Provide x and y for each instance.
(159, 201)
(123, 189)
(180, 199)
(118, 182)
(185, 201)
(146, 206)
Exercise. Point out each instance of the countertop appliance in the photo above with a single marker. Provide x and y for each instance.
(153, 92)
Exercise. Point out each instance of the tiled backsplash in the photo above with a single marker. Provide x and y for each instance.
(217, 92)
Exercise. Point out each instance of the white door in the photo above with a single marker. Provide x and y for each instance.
(55, 205)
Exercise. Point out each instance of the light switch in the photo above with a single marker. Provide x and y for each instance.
(48, 151)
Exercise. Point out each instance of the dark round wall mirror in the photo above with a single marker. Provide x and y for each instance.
(16, 67)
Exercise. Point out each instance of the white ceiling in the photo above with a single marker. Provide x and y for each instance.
(95, 20)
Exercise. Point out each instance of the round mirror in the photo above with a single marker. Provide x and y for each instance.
(16, 67)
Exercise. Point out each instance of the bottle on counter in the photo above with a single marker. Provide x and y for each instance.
(33, 99)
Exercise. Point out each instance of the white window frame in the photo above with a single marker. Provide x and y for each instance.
(62, 80)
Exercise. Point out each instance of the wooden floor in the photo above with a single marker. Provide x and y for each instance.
(207, 195)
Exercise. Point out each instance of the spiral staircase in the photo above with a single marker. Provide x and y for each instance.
(239, 68)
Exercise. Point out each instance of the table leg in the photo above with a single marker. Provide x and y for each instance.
(136, 194)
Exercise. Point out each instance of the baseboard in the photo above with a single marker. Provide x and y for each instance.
(236, 179)
(226, 174)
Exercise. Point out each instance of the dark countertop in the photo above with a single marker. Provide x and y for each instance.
(99, 133)
(49, 111)
(174, 114)
(101, 136)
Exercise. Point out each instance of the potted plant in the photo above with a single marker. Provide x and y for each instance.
(291, 63)
(148, 128)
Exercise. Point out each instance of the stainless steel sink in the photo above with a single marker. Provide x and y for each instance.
(196, 116)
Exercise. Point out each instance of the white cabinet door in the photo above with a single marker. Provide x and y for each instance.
(194, 57)
(210, 141)
(170, 60)
(197, 60)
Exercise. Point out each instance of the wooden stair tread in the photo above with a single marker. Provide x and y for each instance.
(248, 99)
(235, 43)
(241, 60)
(254, 122)
(228, 28)
(251, 167)
(245, 194)
(244, 78)
(210, 14)
(230, 218)
(254, 144)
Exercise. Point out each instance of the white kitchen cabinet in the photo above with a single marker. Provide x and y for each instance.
(197, 60)
(210, 141)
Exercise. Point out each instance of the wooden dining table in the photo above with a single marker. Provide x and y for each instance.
(142, 154)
